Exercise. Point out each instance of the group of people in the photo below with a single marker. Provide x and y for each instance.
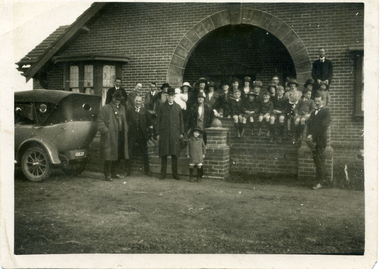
(170, 114)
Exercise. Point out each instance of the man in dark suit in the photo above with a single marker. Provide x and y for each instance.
(111, 91)
(151, 98)
(170, 129)
(317, 138)
(322, 69)
(139, 121)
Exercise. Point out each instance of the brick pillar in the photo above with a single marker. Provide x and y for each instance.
(306, 166)
(216, 163)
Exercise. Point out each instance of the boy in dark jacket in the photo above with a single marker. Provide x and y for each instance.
(237, 112)
(196, 152)
(265, 110)
(278, 113)
(251, 106)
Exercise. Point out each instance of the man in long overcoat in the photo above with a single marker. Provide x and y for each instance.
(170, 129)
(139, 120)
(316, 139)
(112, 124)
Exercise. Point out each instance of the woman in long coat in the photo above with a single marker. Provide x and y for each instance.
(170, 127)
(112, 125)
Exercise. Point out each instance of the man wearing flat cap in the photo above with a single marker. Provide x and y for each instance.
(113, 127)
(170, 129)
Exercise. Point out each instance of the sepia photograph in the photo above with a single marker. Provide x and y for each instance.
(190, 135)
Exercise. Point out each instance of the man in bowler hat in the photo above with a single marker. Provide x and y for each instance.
(113, 127)
(170, 129)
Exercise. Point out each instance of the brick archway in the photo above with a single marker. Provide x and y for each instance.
(254, 17)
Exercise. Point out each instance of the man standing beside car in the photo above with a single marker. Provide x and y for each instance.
(113, 126)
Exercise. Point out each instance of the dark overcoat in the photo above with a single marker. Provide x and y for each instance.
(322, 71)
(108, 128)
(169, 126)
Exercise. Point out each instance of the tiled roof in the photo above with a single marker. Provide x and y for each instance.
(33, 55)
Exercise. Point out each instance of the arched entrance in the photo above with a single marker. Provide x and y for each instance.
(239, 51)
(240, 17)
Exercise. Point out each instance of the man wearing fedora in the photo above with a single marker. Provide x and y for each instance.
(113, 127)
(170, 129)
(111, 91)
(322, 69)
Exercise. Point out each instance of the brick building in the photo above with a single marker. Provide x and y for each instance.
(177, 42)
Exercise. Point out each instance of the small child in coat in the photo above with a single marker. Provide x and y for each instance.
(302, 113)
(289, 112)
(196, 153)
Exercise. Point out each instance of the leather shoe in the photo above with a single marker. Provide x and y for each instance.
(148, 173)
(176, 177)
(162, 177)
(115, 176)
(316, 187)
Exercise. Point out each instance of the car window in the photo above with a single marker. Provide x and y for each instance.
(23, 113)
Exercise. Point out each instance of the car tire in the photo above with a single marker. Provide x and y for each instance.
(35, 164)
(73, 168)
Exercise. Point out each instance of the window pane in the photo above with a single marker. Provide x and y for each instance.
(109, 75)
(88, 76)
(74, 76)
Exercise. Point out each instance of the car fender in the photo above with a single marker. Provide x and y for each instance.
(47, 145)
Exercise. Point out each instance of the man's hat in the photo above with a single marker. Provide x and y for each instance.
(292, 81)
(247, 79)
(201, 94)
(165, 85)
(211, 84)
(257, 83)
(197, 128)
(202, 79)
(171, 91)
(309, 81)
(117, 95)
(186, 84)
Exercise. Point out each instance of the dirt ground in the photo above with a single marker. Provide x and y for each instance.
(140, 214)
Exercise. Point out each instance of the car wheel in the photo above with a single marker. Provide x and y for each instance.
(35, 164)
(72, 168)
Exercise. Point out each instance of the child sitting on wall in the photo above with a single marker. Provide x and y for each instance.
(237, 112)
(302, 113)
(265, 110)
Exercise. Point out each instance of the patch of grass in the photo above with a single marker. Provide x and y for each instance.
(139, 214)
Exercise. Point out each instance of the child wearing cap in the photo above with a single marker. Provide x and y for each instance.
(265, 110)
(289, 112)
(278, 114)
(196, 153)
(251, 106)
(237, 112)
(302, 113)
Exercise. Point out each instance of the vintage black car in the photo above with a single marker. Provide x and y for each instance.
(53, 129)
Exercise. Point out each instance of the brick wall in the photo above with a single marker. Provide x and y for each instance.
(149, 34)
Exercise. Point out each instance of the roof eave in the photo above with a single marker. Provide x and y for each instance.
(73, 28)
